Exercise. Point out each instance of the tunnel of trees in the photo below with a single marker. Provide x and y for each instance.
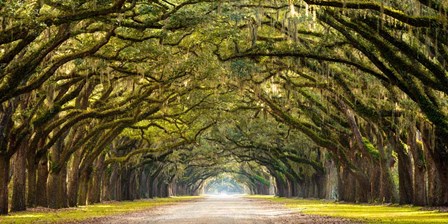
(127, 99)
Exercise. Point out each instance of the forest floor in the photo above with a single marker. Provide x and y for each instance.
(220, 209)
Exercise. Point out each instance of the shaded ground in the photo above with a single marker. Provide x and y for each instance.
(219, 209)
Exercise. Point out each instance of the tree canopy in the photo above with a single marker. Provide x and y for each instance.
(123, 99)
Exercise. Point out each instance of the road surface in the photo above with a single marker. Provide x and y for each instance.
(219, 209)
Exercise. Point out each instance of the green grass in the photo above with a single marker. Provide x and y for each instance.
(361, 212)
(90, 211)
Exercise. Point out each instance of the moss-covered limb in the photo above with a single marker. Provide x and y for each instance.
(316, 166)
(168, 148)
(20, 71)
(67, 152)
(355, 130)
(50, 70)
(298, 54)
(117, 124)
(441, 52)
(255, 178)
(332, 123)
(271, 163)
(368, 51)
(115, 109)
(416, 94)
(93, 154)
(371, 149)
(438, 79)
(298, 125)
(332, 120)
(13, 34)
(294, 175)
(416, 21)
(7, 57)
(417, 55)
(401, 65)
(56, 108)
(83, 14)
(281, 153)
(362, 109)
(436, 6)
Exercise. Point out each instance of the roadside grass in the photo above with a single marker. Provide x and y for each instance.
(361, 212)
(90, 211)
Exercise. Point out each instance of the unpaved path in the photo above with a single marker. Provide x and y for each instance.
(219, 209)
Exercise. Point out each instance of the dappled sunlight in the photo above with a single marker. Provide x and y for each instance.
(103, 206)
(369, 213)
(27, 216)
(90, 211)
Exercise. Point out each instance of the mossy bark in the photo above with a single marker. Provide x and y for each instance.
(32, 165)
(42, 176)
(4, 180)
(18, 202)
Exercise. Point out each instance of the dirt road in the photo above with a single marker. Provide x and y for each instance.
(220, 209)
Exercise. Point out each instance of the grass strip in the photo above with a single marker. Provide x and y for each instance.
(361, 212)
(82, 213)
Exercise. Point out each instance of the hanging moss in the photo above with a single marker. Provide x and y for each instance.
(262, 180)
(371, 148)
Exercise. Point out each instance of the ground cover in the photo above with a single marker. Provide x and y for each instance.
(361, 212)
(44, 215)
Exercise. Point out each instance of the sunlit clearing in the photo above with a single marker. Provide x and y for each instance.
(223, 185)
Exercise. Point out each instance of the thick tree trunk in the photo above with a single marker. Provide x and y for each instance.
(32, 180)
(83, 187)
(73, 180)
(95, 182)
(440, 157)
(42, 176)
(4, 180)
(419, 167)
(57, 197)
(18, 202)
(57, 184)
(113, 180)
(105, 192)
(143, 185)
(406, 192)
(347, 183)
(386, 192)
(125, 184)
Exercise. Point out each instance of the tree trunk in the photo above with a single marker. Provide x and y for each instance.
(73, 181)
(387, 185)
(125, 184)
(57, 197)
(95, 182)
(347, 186)
(18, 202)
(440, 157)
(105, 189)
(95, 185)
(32, 180)
(4, 179)
(42, 176)
(57, 184)
(83, 187)
(404, 173)
(419, 167)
